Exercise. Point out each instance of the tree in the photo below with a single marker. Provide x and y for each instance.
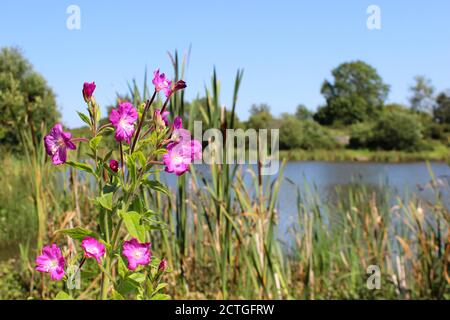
(442, 112)
(356, 94)
(260, 117)
(302, 113)
(422, 95)
(26, 101)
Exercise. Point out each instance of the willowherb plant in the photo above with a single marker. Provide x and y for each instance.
(145, 145)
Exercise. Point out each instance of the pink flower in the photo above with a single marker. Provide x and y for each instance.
(51, 261)
(123, 119)
(88, 90)
(114, 165)
(162, 265)
(161, 83)
(56, 144)
(93, 248)
(137, 253)
(180, 155)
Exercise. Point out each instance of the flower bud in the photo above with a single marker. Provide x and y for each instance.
(160, 124)
(88, 90)
(179, 85)
(162, 265)
(114, 165)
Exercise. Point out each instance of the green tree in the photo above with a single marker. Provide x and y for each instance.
(260, 117)
(303, 134)
(26, 101)
(356, 94)
(422, 95)
(442, 112)
(394, 130)
(302, 113)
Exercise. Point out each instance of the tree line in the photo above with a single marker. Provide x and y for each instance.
(355, 113)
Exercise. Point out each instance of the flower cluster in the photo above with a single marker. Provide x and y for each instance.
(51, 260)
(153, 137)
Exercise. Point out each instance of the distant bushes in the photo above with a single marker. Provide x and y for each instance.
(306, 134)
(394, 130)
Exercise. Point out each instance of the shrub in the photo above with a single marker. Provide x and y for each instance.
(306, 134)
(392, 131)
(361, 135)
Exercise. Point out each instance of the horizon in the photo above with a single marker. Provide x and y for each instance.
(286, 50)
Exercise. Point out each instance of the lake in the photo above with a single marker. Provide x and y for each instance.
(396, 179)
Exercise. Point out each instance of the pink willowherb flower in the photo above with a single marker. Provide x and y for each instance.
(161, 83)
(93, 248)
(56, 144)
(137, 253)
(114, 165)
(51, 261)
(123, 119)
(180, 155)
(88, 90)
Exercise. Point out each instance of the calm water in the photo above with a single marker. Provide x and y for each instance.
(322, 178)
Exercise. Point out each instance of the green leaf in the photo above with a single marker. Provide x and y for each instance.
(77, 233)
(141, 158)
(63, 296)
(81, 166)
(160, 152)
(94, 142)
(160, 286)
(116, 295)
(131, 164)
(122, 267)
(160, 296)
(84, 118)
(132, 221)
(157, 186)
(106, 201)
(138, 277)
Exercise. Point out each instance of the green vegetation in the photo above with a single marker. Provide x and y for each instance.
(26, 101)
(219, 230)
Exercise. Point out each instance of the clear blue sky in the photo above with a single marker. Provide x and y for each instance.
(287, 48)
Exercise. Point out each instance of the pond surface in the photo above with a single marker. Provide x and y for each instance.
(322, 178)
